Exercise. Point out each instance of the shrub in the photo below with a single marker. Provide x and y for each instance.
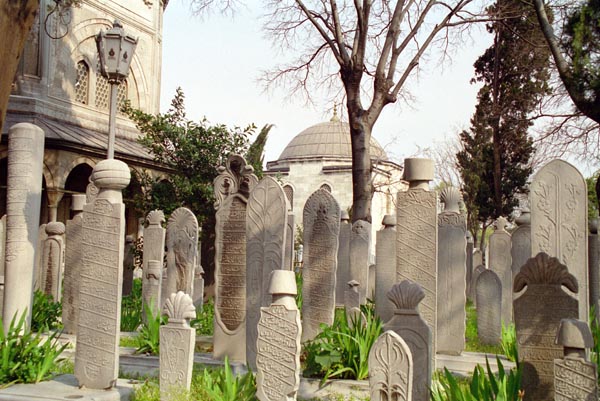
(26, 357)
(131, 308)
(342, 349)
(223, 385)
(595, 351)
(509, 342)
(204, 323)
(149, 336)
(45, 313)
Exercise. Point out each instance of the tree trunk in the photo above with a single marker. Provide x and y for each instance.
(497, 172)
(362, 186)
(16, 19)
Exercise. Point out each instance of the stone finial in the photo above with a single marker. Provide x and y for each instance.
(155, 218)
(418, 172)
(573, 333)
(543, 269)
(344, 216)
(501, 223)
(524, 218)
(406, 295)
(235, 177)
(353, 285)
(283, 282)
(111, 174)
(77, 202)
(451, 197)
(389, 221)
(55, 228)
(179, 308)
(594, 225)
(335, 117)
(469, 237)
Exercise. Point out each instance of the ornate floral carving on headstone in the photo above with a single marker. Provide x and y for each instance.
(390, 369)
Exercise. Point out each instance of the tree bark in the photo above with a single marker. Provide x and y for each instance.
(362, 186)
(497, 173)
(590, 108)
(16, 19)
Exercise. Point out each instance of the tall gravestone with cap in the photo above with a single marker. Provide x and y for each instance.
(52, 260)
(594, 265)
(538, 312)
(360, 239)
(321, 220)
(290, 235)
(101, 279)
(278, 341)
(266, 220)
(408, 324)
(385, 258)
(500, 263)
(152, 261)
(469, 266)
(451, 284)
(73, 258)
(416, 231)
(128, 264)
(488, 291)
(343, 258)
(520, 240)
(575, 378)
(232, 187)
(182, 248)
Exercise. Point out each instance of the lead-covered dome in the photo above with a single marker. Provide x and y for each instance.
(329, 139)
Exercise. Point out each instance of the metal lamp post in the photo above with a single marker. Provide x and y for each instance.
(115, 49)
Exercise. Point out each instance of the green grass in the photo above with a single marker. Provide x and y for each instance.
(472, 341)
(131, 342)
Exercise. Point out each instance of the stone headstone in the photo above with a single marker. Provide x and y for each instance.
(575, 378)
(352, 297)
(559, 221)
(232, 188)
(154, 250)
(343, 259)
(2, 243)
(278, 341)
(390, 369)
(128, 264)
(177, 342)
(290, 235)
(73, 261)
(101, 279)
(451, 284)
(53, 260)
(372, 277)
(594, 266)
(182, 245)
(321, 221)
(416, 229)
(385, 258)
(91, 191)
(407, 323)
(469, 266)
(477, 257)
(476, 272)
(23, 201)
(538, 312)
(38, 279)
(520, 240)
(360, 239)
(488, 290)
(198, 297)
(266, 221)
(501, 264)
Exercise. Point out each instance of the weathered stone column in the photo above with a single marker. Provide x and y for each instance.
(154, 252)
(520, 239)
(73, 259)
(469, 265)
(54, 197)
(343, 259)
(385, 257)
(501, 264)
(101, 279)
(360, 242)
(23, 199)
(128, 264)
(594, 265)
(52, 260)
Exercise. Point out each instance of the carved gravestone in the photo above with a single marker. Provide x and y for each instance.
(101, 279)
(182, 245)
(390, 369)
(128, 264)
(538, 312)
(407, 323)
(39, 258)
(232, 188)
(73, 259)
(52, 260)
(372, 276)
(594, 265)
(559, 221)
(477, 257)
(2, 243)
(278, 341)
(575, 378)
(520, 240)
(416, 230)
(352, 300)
(469, 266)
(343, 259)
(360, 238)
(451, 284)
(177, 341)
(488, 290)
(501, 264)
(290, 234)
(198, 296)
(154, 251)
(385, 254)
(23, 201)
(321, 220)
(476, 272)
(266, 220)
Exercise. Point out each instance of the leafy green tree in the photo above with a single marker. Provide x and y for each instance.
(192, 151)
(256, 152)
(494, 160)
(592, 195)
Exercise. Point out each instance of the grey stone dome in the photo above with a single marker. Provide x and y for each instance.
(329, 139)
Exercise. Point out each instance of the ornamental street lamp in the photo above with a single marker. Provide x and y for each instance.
(115, 49)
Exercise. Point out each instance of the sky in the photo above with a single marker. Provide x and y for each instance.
(217, 61)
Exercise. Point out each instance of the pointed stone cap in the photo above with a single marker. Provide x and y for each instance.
(77, 202)
(55, 228)
(283, 282)
(344, 216)
(389, 220)
(418, 169)
(573, 333)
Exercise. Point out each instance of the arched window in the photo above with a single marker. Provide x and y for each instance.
(121, 96)
(82, 83)
(102, 90)
(289, 193)
(326, 187)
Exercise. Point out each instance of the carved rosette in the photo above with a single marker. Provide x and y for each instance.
(179, 308)
(235, 177)
(390, 369)
(406, 295)
(543, 269)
